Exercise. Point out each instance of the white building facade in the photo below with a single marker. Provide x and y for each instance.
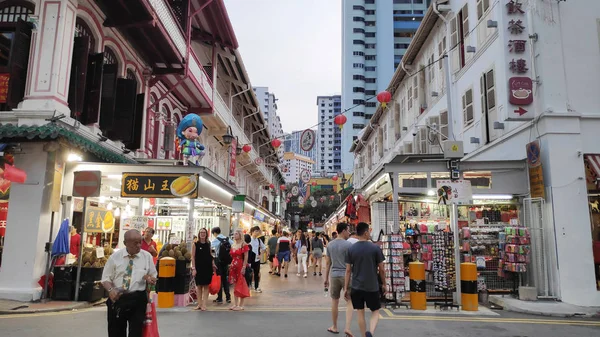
(375, 36)
(329, 136)
(268, 106)
(295, 164)
(519, 72)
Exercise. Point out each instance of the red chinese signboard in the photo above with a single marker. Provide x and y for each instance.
(232, 161)
(520, 90)
(4, 79)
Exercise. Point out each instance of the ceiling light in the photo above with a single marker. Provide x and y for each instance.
(74, 157)
(127, 208)
(110, 206)
(117, 212)
(114, 176)
(431, 193)
(185, 200)
(492, 196)
(102, 199)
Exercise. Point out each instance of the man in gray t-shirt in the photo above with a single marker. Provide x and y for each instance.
(335, 266)
(364, 262)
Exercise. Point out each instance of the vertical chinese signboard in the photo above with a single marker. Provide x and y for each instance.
(232, 158)
(4, 80)
(536, 173)
(518, 67)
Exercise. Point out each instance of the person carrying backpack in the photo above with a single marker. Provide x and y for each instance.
(222, 247)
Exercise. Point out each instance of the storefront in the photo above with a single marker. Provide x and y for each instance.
(592, 170)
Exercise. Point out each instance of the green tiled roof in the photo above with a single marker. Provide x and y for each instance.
(53, 131)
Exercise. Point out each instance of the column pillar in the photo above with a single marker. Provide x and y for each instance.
(28, 225)
(50, 58)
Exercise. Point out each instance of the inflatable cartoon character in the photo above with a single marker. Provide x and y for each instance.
(188, 132)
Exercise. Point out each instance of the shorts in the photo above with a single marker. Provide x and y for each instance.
(336, 285)
(284, 256)
(371, 298)
(271, 257)
(317, 253)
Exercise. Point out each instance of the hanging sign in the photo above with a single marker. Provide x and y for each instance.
(136, 222)
(536, 173)
(454, 192)
(259, 161)
(159, 185)
(4, 79)
(178, 224)
(163, 223)
(98, 220)
(305, 176)
(232, 159)
(307, 140)
(295, 191)
(238, 203)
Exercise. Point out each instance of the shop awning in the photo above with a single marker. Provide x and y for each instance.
(593, 161)
(52, 131)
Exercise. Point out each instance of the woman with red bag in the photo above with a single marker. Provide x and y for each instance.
(239, 256)
(203, 267)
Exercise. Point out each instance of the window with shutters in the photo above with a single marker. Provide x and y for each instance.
(15, 40)
(483, 15)
(459, 30)
(416, 87)
(441, 52)
(109, 89)
(467, 107)
(409, 95)
(488, 105)
(381, 138)
(397, 118)
(150, 129)
(431, 68)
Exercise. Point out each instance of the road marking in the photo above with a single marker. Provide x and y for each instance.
(492, 320)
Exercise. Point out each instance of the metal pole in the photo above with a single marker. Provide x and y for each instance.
(80, 250)
(190, 236)
(449, 98)
(454, 228)
(49, 259)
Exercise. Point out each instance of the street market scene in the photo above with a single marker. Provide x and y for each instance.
(164, 170)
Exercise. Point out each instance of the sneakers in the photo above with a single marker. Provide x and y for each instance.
(258, 290)
(305, 276)
(298, 274)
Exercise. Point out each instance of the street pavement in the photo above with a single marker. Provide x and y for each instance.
(295, 307)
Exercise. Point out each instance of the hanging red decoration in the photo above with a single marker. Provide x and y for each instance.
(14, 175)
(314, 183)
(384, 98)
(282, 187)
(287, 201)
(247, 148)
(271, 186)
(340, 120)
(335, 178)
(276, 143)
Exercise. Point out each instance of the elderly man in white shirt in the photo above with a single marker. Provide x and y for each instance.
(126, 276)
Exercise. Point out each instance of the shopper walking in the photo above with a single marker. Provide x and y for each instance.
(257, 247)
(317, 252)
(126, 275)
(239, 255)
(203, 267)
(302, 249)
(364, 264)
(271, 248)
(222, 247)
(283, 252)
(335, 271)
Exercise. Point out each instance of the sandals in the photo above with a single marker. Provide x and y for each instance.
(348, 334)
(333, 331)
(238, 308)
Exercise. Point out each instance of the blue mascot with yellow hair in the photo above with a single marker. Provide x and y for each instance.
(188, 132)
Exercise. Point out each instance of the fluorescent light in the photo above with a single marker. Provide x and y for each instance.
(375, 182)
(117, 212)
(74, 157)
(102, 199)
(431, 193)
(185, 199)
(217, 187)
(109, 206)
(115, 176)
(492, 196)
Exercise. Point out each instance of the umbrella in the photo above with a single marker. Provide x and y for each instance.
(61, 243)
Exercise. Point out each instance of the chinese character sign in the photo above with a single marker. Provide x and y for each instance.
(159, 185)
(4, 80)
(98, 220)
(232, 160)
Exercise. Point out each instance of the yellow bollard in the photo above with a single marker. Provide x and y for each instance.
(165, 287)
(418, 296)
(468, 287)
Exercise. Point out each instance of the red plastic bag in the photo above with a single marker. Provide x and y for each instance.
(275, 262)
(150, 324)
(241, 288)
(215, 284)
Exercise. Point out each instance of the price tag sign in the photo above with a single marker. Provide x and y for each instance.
(99, 252)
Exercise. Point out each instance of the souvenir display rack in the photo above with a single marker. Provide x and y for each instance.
(392, 246)
(444, 268)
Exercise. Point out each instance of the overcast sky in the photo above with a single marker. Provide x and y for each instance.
(294, 48)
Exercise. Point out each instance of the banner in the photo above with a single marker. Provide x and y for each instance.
(159, 185)
(232, 159)
(454, 192)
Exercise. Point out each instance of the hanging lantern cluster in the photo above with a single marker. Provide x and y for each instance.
(247, 148)
(276, 143)
(271, 186)
(282, 187)
(384, 98)
(340, 120)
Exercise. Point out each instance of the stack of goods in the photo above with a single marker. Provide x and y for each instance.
(515, 248)
(178, 252)
(480, 241)
(444, 271)
(393, 250)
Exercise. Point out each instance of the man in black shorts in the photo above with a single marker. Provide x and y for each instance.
(364, 262)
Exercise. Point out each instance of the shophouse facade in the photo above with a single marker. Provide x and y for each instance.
(108, 82)
(517, 73)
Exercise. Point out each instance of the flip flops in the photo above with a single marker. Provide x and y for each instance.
(332, 331)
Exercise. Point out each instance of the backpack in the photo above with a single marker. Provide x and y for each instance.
(251, 254)
(224, 251)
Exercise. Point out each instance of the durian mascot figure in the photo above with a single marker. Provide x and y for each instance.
(188, 132)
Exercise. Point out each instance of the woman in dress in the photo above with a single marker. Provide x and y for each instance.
(302, 251)
(203, 266)
(317, 252)
(239, 256)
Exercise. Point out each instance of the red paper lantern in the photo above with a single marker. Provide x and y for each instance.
(276, 143)
(384, 98)
(314, 183)
(340, 120)
(271, 186)
(282, 187)
(335, 178)
(247, 148)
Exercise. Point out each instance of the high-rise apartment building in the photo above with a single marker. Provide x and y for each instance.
(375, 36)
(292, 144)
(295, 164)
(268, 106)
(329, 136)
